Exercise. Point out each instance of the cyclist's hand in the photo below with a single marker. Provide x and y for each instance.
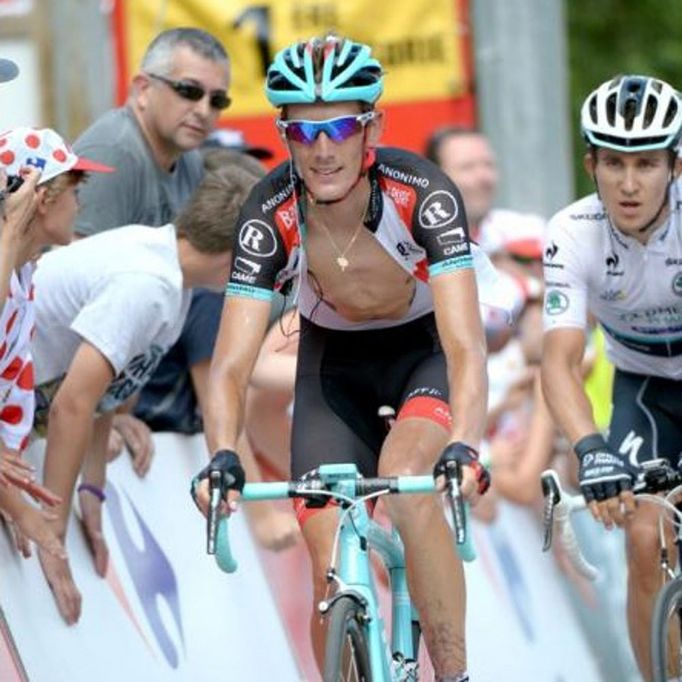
(475, 479)
(232, 482)
(606, 481)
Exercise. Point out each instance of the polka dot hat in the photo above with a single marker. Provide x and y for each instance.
(44, 149)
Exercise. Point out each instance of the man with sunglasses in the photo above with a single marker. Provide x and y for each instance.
(174, 103)
(376, 241)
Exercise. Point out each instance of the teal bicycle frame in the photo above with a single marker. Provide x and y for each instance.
(356, 534)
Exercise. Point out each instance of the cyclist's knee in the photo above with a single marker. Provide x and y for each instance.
(643, 548)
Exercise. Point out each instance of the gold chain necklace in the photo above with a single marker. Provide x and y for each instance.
(341, 259)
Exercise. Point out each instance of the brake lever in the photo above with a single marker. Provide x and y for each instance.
(453, 476)
(214, 487)
(550, 491)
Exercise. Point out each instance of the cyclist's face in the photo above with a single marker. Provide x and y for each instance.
(330, 168)
(632, 186)
(175, 123)
(469, 161)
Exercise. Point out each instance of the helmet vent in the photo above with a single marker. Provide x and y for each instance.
(671, 113)
(611, 109)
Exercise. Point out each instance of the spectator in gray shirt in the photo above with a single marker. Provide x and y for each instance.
(174, 103)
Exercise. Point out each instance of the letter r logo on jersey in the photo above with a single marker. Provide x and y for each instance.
(257, 238)
(438, 210)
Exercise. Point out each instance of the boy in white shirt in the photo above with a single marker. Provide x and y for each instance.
(107, 309)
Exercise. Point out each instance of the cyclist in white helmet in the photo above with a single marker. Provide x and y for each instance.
(618, 254)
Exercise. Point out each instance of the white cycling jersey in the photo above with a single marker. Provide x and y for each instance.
(634, 290)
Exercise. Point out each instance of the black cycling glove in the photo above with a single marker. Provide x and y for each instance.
(463, 455)
(232, 475)
(603, 474)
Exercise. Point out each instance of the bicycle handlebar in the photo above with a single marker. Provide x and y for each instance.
(558, 506)
(217, 528)
(657, 476)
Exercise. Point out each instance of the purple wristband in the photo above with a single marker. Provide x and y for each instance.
(93, 490)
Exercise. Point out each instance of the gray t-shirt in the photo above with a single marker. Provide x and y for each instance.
(140, 191)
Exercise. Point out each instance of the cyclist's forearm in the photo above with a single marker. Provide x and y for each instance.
(565, 394)
(468, 396)
(224, 414)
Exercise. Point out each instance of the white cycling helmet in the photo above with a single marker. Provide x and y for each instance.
(633, 113)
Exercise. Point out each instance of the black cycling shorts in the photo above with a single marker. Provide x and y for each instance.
(343, 377)
(647, 417)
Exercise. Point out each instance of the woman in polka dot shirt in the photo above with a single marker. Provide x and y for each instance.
(38, 214)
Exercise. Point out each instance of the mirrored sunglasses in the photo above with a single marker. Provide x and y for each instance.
(336, 129)
(193, 92)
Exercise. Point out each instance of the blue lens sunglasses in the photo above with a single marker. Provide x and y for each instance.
(337, 129)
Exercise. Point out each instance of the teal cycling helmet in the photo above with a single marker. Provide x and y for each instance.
(633, 113)
(329, 69)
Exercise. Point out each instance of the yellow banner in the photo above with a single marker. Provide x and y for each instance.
(417, 41)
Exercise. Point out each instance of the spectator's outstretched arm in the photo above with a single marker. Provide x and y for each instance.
(69, 434)
(518, 478)
(16, 212)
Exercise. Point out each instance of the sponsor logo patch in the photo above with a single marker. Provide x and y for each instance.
(454, 236)
(556, 302)
(438, 210)
(677, 284)
(257, 238)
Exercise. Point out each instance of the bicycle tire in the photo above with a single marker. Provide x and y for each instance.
(668, 605)
(345, 627)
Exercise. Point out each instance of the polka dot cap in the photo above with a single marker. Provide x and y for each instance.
(44, 149)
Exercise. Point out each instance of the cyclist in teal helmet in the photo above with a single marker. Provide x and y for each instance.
(330, 71)
(376, 240)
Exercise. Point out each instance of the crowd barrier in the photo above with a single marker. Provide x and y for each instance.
(166, 613)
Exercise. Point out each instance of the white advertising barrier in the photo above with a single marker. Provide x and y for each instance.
(520, 625)
(165, 612)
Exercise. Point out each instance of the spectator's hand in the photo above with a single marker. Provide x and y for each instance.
(273, 528)
(58, 575)
(19, 473)
(19, 208)
(519, 391)
(505, 451)
(14, 470)
(138, 439)
(91, 521)
(32, 524)
(115, 445)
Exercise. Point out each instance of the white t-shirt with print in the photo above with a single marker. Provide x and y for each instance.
(120, 291)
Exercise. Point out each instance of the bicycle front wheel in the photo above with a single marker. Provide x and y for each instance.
(666, 649)
(346, 657)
